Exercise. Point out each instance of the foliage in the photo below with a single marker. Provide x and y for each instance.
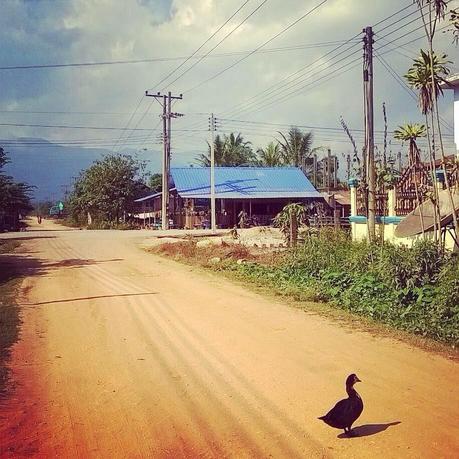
(454, 20)
(295, 146)
(43, 207)
(155, 182)
(14, 196)
(106, 189)
(419, 77)
(231, 150)
(414, 289)
(289, 220)
(270, 156)
(410, 133)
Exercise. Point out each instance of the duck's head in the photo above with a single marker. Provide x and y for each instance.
(352, 379)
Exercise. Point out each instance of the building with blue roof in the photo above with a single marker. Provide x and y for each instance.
(259, 192)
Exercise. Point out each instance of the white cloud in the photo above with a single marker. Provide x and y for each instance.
(113, 30)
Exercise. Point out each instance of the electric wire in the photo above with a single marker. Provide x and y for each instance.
(258, 48)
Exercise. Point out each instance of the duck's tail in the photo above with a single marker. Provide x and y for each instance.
(322, 418)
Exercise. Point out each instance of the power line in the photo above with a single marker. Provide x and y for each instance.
(149, 106)
(308, 66)
(220, 42)
(202, 45)
(346, 67)
(66, 126)
(259, 47)
(279, 49)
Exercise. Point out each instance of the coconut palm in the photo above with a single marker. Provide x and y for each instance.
(295, 146)
(270, 156)
(231, 150)
(219, 152)
(238, 152)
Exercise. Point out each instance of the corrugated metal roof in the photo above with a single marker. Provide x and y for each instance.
(151, 196)
(243, 182)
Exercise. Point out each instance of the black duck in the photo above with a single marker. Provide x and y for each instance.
(346, 411)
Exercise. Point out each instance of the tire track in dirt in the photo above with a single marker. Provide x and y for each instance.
(242, 402)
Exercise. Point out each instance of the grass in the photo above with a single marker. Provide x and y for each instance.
(350, 282)
(9, 313)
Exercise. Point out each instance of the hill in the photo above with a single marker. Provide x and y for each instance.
(50, 167)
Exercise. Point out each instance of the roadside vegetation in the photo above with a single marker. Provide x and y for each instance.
(9, 312)
(104, 193)
(413, 289)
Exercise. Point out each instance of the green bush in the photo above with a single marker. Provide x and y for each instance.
(415, 289)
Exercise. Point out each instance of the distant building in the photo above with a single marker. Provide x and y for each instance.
(260, 192)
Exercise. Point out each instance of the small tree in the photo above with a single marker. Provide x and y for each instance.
(107, 189)
(410, 133)
(289, 220)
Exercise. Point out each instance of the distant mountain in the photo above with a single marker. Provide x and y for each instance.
(50, 166)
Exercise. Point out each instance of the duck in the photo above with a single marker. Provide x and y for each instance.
(346, 411)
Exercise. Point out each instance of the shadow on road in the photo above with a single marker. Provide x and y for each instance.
(367, 430)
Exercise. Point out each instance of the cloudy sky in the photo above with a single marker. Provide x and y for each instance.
(308, 75)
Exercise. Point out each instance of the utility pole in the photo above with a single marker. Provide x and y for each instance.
(166, 117)
(213, 219)
(369, 128)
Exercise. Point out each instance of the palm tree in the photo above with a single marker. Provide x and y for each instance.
(238, 152)
(410, 133)
(270, 156)
(232, 150)
(426, 75)
(219, 151)
(295, 146)
(431, 16)
(419, 77)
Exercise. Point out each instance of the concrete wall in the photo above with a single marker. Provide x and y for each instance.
(384, 225)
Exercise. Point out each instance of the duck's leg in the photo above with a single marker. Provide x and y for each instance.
(350, 432)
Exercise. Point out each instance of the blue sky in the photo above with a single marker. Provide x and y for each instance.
(64, 31)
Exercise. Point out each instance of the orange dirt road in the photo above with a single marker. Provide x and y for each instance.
(125, 355)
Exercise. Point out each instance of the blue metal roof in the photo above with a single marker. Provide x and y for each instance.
(243, 182)
(151, 196)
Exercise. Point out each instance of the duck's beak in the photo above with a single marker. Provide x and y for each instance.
(357, 379)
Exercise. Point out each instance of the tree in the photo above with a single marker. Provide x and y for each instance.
(435, 11)
(43, 207)
(419, 77)
(454, 19)
(14, 196)
(289, 220)
(295, 146)
(232, 150)
(410, 133)
(426, 75)
(107, 189)
(155, 182)
(270, 156)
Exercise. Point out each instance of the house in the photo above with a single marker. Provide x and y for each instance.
(258, 192)
(452, 82)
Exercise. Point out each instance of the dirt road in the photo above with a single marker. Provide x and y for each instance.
(123, 354)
